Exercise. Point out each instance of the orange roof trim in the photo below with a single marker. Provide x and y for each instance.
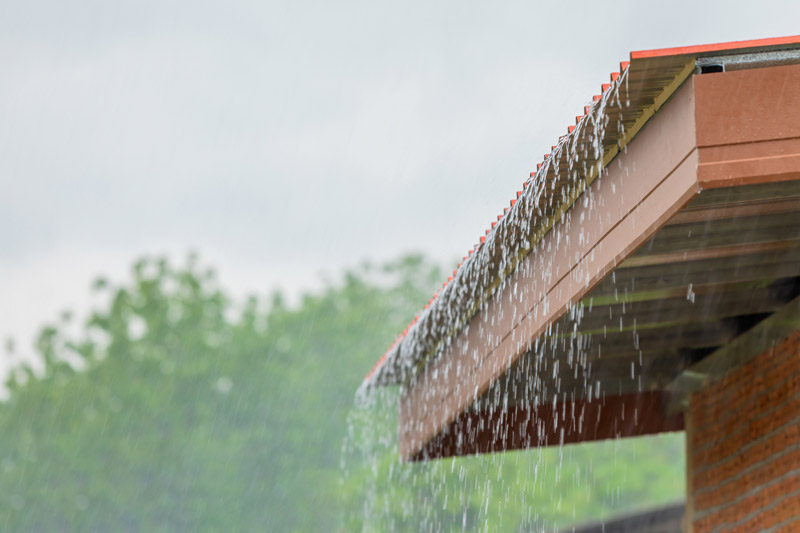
(718, 47)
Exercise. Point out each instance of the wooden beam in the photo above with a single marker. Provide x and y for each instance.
(747, 346)
(719, 252)
(725, 232)
(714, 305)
(548, 424)
(745, 119)
(706, 275)
(749, 209)
(761, 192)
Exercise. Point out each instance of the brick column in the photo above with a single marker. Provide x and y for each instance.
(744, 445)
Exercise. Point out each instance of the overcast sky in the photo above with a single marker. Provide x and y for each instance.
(285, 139)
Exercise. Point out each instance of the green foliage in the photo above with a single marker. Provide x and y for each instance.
(192, 413)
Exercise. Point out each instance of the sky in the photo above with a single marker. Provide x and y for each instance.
(284, 140)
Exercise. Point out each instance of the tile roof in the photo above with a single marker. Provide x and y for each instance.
(625, 104)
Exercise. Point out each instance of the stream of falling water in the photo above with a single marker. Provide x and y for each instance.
(539, 489)
(544, 488)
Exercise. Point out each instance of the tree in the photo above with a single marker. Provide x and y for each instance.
(177, 409)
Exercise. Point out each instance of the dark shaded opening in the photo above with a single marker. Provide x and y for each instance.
(694, 355)
(786, 289)
(709, 69)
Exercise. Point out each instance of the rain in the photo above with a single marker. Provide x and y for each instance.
(380, 267)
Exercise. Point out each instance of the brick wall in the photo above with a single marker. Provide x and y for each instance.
(744, 446)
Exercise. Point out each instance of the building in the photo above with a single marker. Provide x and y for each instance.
(646, 278)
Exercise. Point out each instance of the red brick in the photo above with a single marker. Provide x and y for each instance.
(759, 500)
(730, 453)
(719, 398)
(791, 525)
(759, 476)
(771, 391)
(786, 510)
(756, 454)
(753, 430)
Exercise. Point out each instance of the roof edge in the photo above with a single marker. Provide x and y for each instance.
(716, 47)
(387, 369)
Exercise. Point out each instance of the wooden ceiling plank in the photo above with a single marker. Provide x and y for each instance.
(637, 284)
(720, 252)
(749, 209)
(711, 306)
(745, 193)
